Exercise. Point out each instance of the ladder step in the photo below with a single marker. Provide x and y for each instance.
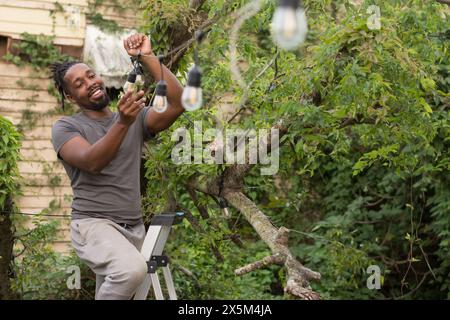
(167, 219)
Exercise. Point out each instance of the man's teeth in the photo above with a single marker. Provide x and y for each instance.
(96, 92)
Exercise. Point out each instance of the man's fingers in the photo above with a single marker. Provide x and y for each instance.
(138, 108)
(138, 39)
(130, 42)
(141, 38)
(140, 101)
(134, 41)
(124, 98)
(138, 95)
(132, 99)
(137, 105)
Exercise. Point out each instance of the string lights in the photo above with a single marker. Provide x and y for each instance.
(135, 79)
(191, 98)
(289, 27)
(160, 101)
(131, 80)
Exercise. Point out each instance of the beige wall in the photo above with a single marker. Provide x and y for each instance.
(68, 27)
(35, 17)
(126, 18)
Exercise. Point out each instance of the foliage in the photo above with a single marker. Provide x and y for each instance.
(213, 280)
(40, 271)
(108, 26)
(9, 157)
(364, 167)
(35, 50)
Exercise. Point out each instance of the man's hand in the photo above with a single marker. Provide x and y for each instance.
(129, 106)
(138, 42)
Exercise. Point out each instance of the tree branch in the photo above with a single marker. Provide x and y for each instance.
(351, 121)
(190, 274)
(447, 2)
(264, 262)
(196, 4)
(193, 194)
(204, 26)
(298, 275)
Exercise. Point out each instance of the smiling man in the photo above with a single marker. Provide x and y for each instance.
(101, 153)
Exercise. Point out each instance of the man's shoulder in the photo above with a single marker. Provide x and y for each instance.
(72, 119)
(67, 124)
(64, 129)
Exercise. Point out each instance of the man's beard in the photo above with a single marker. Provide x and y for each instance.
(100, 105)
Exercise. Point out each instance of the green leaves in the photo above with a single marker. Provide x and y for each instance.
(367, 113)
(369, 158)
(9, 156)
(37, 51)
(426, 106)
(428, 84)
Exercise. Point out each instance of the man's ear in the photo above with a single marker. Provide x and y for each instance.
(69, 97)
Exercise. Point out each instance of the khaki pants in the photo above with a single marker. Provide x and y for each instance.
(113, 253)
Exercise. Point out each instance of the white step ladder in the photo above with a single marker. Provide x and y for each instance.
(152, 250)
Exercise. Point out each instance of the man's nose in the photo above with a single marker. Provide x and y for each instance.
(91, 83)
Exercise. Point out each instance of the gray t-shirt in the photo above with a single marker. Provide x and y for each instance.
(114, 193)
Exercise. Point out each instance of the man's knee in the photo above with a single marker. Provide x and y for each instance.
(135, 272)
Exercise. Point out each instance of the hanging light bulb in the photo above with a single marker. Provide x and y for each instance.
(139, 77)
(192, 93)
(191, 99)
(289, 27)
(131, 81)
(224, 206)
(135, 80)
(160, 100)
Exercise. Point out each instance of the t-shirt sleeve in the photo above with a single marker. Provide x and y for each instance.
(145, 131)
(63, 131)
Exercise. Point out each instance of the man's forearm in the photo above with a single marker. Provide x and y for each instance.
(101, 153)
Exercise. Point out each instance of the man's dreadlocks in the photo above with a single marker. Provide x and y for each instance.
(59, 70)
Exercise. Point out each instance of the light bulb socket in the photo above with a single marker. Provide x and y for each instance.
(289, 3)
(194, 77)
(132, 77)
(223, 203)
(161, 88)
(199, 36)
(139, 70)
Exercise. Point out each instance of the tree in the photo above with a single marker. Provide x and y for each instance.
(360, 109)
(9, 155)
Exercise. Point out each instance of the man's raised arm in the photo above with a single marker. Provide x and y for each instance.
(139, 43)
